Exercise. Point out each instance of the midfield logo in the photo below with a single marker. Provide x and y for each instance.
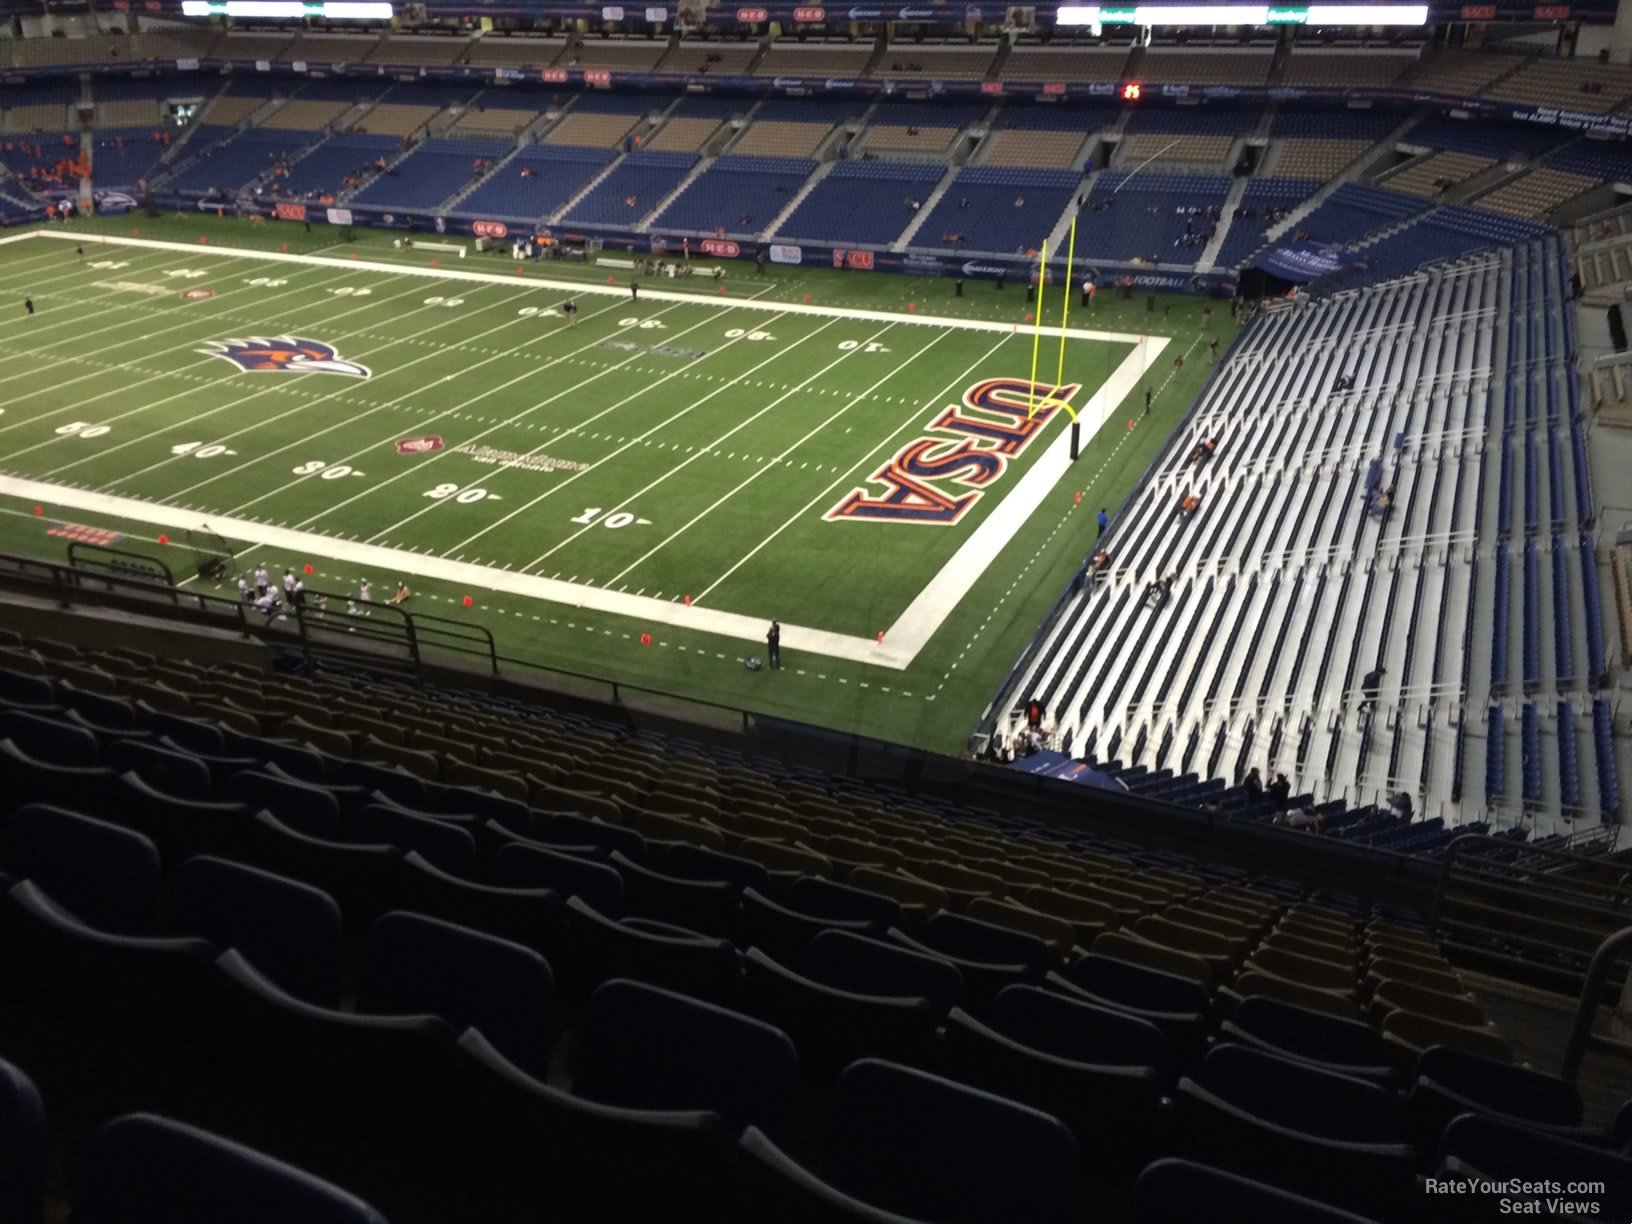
(988, 429)
(284, 355)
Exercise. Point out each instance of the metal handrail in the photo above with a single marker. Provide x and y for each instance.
(1582, 1038)
(1614, 897)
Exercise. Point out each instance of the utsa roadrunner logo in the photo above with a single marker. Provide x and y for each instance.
(937, 479)
(285, 355)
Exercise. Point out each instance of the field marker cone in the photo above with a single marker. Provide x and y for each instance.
(645, 639)
(881, 637)
(912, 305)
(435, 262)
(163, 539)
(310, 570)
(468, 601)
(38, 510)
(688, 601)
(1078, 500)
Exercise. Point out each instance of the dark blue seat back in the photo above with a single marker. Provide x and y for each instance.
(776, 1187)
(174, 772)
(22, 1148)
(143, 1169)
(691, 862)
(528, 916)
(518, 865)
(467, 801)
(441, 842)
(1367, 1178)
(924, 1146)
(361, 878)
(83, 788)
(644, 1047)
(824, 898)
(976, 940)
(687, 961)
(305, 807)
(609, 1163)
(1302, 1097)
(390, 780)
(1078, 1030)
(569, 829)
(288, 930)
(1520, 1092)
(1301, 1032)
(1137, 986)
(847, 961)
(48, 738)
(105, 875)
(193, 734)
(711, 908)
(1172, 1191)
(418, 965)
(1478, 1144)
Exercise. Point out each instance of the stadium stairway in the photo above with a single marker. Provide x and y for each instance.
(799, 197)
(1209, 253)
(696, 172)
(572, 201)
(1351, 174)
(928, 206)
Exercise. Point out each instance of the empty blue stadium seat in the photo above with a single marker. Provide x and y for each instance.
(107, 876)
(605, 1161)
(1300, 1097)
(852, 962)
(1367, 1178)
(1450, 1082)
(643, 1047)
(776, 1187)
(518, 865)
(442, 842)
(1169, 1192)
(923, 1146)
(424, 966)
(288, 930)
(832, 1027)
(143, 1169)
(23, 1140)
(1474, 1144)
(648, 951)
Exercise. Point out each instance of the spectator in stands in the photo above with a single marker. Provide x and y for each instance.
(1280, 790)
(1019, 201)
(1102, 558)
(1202, 452)
(1370, 685)
(1303, 820)
(1400, 805)
(244, 593)
(1158, 592)
(1253, 784)
(1188, 504)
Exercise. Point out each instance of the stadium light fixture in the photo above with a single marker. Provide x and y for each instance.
(332, 10)
(1243, 14)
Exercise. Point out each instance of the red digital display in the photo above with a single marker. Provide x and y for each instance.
(1130, 92)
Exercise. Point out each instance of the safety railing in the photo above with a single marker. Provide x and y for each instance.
(1584, 1036)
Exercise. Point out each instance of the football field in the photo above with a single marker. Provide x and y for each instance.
(690, 461)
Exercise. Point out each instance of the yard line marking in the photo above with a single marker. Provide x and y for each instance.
(177, 307)
(308, 438)
(290, 542)
(663, 424)
(424, 425)
(182, 372)
(758, 472)
(556, 437)
(509, 422)
(584, 289)
(178, 395)
(742, 424)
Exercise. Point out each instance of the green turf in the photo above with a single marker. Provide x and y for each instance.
(724, 449)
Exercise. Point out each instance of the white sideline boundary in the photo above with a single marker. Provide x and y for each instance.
(723, 301)
(903, 640)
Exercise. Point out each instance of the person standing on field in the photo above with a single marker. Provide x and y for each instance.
(773, 646)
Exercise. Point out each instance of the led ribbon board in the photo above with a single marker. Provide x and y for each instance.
(1243, 14)
(335, 10)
